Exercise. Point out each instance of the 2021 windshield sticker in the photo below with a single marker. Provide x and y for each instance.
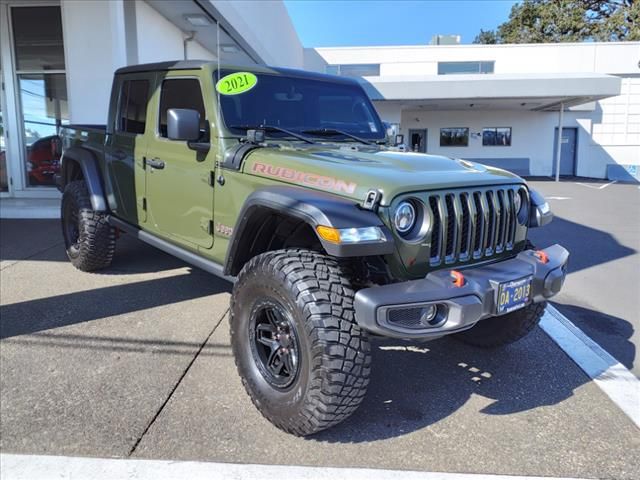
(236, 83)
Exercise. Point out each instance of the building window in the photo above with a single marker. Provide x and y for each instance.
(181, 93)
(42, 86)
(454, 137)
(355, 70)
(132, 108)
(462, 68)
(496, 136)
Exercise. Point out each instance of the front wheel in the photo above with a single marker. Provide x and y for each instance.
(303, 360)
(505, 329)
(89, 240)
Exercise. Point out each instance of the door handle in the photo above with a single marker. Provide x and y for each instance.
(155, 163)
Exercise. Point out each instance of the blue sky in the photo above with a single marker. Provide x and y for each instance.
(331, 23)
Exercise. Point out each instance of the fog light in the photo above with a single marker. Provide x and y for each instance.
(428, 314)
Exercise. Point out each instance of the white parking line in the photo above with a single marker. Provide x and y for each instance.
(601, 187)
(615, 380)
(36, 467)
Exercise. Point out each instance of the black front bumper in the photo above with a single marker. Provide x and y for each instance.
(463, 306)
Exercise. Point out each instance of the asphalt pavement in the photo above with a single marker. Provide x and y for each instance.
(599, 223)
(135, 362)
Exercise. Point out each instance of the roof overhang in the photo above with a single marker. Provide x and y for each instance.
(529, 91)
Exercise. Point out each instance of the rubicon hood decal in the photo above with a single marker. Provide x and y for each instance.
(353, 173)
(304, 178)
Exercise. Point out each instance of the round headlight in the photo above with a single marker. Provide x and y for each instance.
(404, 218)
(517, 201)
(521, 205)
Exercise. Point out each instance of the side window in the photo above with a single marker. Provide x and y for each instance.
(132, 110)
(181, 93)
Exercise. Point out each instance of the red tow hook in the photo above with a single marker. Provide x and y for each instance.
(541, 255)
(458, 278)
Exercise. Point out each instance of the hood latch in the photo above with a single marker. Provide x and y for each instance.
(372, 199)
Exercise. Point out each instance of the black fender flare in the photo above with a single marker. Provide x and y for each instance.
(312, 207)
(91, 173)
(540, 213)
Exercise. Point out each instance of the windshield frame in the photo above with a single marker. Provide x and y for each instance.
(227, 132)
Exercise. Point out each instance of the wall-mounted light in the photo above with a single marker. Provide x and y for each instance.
(198, 19)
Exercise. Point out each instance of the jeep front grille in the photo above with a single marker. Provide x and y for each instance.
(472, 224)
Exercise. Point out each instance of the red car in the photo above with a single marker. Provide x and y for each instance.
(43, 160)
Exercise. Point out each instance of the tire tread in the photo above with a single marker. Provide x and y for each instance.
(340, 356)
(97, 237)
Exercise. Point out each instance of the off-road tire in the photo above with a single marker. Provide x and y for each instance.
(505, 329)
(95, 244)
(334, 360)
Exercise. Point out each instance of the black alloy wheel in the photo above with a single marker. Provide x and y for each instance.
(274, 343)
(71, 229)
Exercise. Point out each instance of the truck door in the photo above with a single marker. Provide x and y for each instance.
(125, 146)
(179, 194)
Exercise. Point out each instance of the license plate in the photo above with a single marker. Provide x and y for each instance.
(513, 295)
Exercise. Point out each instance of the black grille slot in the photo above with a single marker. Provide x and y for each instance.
(465, 241)
(406, 317)
(451, 224)
(491, 224)
(479, 221)
(511, 225)
(502, 218)
(435, 229)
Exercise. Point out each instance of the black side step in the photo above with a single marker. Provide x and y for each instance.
(181, 253)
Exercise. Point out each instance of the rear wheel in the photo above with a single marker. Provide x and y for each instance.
(303, 360)
(505, 329)
(89, 239)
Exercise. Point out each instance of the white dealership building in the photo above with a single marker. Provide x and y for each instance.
(499, 104)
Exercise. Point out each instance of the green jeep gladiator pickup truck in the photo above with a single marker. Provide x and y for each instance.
(285, 183)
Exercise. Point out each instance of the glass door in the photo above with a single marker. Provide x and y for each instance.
(41, 89)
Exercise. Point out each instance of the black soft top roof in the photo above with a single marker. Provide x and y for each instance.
(196, 64)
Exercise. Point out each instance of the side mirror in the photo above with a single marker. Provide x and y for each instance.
(399, 140)
(183, 124)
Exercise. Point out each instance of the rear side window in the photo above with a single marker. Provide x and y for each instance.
(132, 110)
(181, 93)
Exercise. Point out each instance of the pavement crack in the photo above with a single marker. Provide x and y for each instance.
(31, 256)
(177, 384)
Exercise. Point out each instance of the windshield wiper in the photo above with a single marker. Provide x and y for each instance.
(272, 128)
(332, 132)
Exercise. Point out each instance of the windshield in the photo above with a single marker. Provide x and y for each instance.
(302, 105)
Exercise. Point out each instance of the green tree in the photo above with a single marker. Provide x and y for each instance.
(540, 21)
(486, 37)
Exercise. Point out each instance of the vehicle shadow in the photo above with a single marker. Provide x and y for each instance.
(56, 311)
(414, 386)
(134, 256)
(612, 333)
(588, 246)
(22, 239)
(41, 240)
